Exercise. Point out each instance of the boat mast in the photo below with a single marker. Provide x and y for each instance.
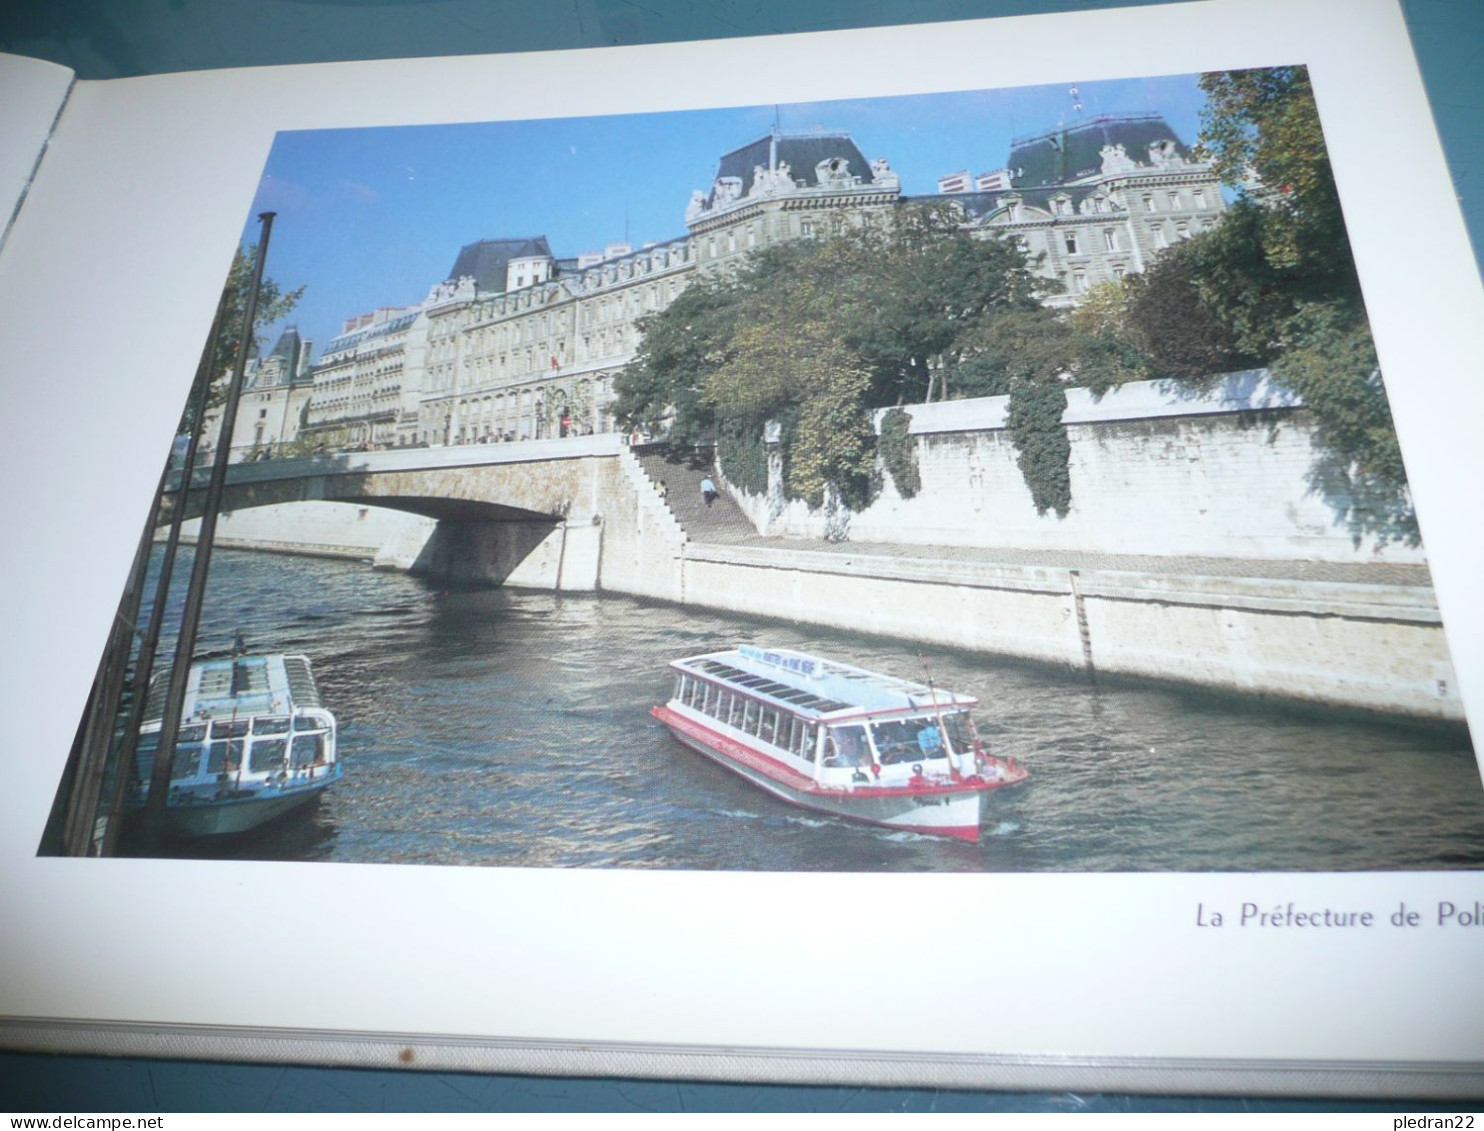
(938, 714)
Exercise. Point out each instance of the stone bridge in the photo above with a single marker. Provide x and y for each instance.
(560, 511)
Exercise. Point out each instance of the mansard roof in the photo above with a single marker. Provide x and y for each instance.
(488, 260)
(289, 344)
(1069, 153)
(801, 152)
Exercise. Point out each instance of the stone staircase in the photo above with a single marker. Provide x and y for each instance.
(681, 471)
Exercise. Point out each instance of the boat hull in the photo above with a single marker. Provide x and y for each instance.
(238, 815)
(199, 814)
(934, 810)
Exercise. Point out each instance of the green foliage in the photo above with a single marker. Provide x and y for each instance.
(741, 454)
(220, 355)
(898, 453)
(816, 334)
(660, 387)
(1043, 452)
(1274, 285)
(1266, 122)
(1031, 353)
(274, 304)
(1102, 342)
(796, 372)
(1331, 363)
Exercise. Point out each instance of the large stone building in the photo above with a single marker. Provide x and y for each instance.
(517, 343)
(1096, 200)
(276, 387)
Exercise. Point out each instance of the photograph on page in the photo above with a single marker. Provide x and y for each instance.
(996, 480)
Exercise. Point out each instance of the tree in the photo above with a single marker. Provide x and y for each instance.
(1265, 123)
(923, 283)
(815, 335)
(1275, 285)
(677, 347)
(274, 304)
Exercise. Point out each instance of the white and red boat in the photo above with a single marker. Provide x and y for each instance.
(839, 739)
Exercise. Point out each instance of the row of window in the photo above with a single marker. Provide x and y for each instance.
(765, 721)
(261, 756)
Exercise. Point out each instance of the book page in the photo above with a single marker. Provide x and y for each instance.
(874, 970)
(32, 93)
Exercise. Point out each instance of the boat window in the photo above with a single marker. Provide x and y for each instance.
(734, 712)
(846, 746)
(768, 727)
(797, 727)
(308, 750)
(808, 740)
(679, 688)
(960, 730)
(723, 704)
(749, 718)
(228, 728)
(224, 757)
(267, 755)
(308, 722)
(270, 726)
(194, 733)
(907, 740)
(187, 762)
(708, 701)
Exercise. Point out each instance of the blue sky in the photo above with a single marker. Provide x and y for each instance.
(374, 217)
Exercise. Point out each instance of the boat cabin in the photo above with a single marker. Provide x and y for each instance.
(250, 719)
(836, 723)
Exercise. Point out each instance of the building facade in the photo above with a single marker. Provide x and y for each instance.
(518, 343)
(1095, 201)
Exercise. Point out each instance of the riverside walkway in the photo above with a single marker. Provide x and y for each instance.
(723, 523)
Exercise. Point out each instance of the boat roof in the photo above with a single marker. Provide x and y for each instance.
(812, 685)
(241, 686)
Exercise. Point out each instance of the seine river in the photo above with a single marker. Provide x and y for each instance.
(511, 728)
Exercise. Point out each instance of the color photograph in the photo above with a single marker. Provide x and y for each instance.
(984, 481)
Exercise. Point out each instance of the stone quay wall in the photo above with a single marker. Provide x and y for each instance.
(1375, 647)
(1232, 473)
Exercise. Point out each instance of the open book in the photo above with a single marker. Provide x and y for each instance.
(849, 609)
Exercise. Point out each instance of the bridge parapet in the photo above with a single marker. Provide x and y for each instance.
(410, 459)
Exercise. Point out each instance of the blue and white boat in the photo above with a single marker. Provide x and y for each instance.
(255, 742)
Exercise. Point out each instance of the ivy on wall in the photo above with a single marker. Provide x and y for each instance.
(1042, 450)
(742, 456)
(898, 453)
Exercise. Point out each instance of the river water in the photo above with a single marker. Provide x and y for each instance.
(511, 728)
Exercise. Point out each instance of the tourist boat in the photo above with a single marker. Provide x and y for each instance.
(839, 739)
(255, 742)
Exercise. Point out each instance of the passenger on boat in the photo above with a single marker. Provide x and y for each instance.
(846, 746)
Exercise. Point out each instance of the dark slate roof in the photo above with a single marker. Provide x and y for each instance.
(801, 152)
(488, 260)
(289, 345)
(1068, 153)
